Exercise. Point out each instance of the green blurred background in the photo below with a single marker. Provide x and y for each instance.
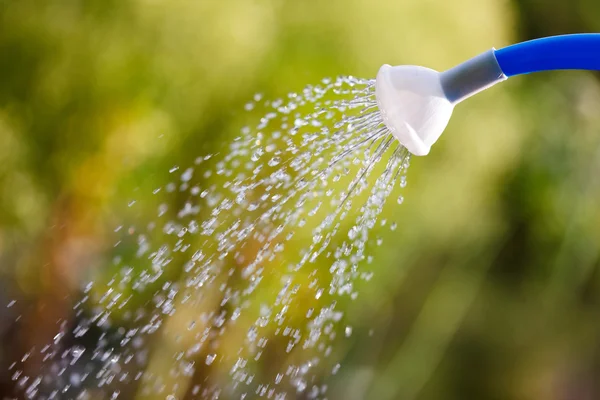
(490, 287)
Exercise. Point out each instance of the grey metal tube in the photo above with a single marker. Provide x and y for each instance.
(471, 77)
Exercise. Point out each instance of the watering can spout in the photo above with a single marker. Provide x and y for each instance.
(416, 102)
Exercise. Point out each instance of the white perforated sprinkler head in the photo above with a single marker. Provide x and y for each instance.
(416, 102)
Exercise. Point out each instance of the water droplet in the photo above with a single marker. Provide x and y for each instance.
(187, 175)
(210, 358)
(335, 369)
(274, 161)
(403, 181)
(278, 379)
(353, 232)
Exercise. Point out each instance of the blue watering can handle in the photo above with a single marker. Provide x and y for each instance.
(577, 51)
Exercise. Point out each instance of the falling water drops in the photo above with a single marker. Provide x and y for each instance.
(210, 358)
(252, 251)
(187, 175)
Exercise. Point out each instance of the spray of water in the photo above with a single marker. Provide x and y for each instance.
(248, 261)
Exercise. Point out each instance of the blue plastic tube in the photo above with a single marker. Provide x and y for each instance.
(577, 51)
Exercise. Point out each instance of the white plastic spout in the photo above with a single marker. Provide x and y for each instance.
(413, 105)
(416, 103)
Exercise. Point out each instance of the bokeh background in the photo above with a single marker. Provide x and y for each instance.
(489, 288)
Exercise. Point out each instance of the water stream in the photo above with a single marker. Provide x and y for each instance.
(248, 263)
